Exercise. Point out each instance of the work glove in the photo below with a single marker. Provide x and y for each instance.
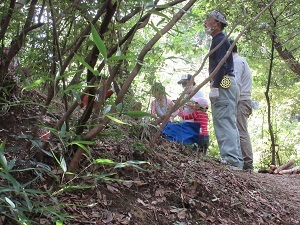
(214, 93)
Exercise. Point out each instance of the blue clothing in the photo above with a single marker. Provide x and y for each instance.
(182, 132)
(224, 107)
(216, 57)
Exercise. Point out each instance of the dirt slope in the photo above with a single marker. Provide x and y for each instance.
(183, 189)
(178, 187)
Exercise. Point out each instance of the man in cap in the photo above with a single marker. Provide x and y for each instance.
(223, 93)
(189, 86)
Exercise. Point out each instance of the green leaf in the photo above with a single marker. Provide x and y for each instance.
(25, 136)
(159, 14)
(3, 160)
(133, 164)
(28, 202)
(119, 107)
(10, 202)
(11, 164)
(47, 153)
(34, 84)
(33, 191)
(12, 180)
(71, 188)
(137, 113)
(2, 146)
(107, 109)
(155, 28)
(80, 59)
(2, 190)
(149, 4)
(36, 143)
(55, 157)
(76, 95)
(116, 120)
(83, 147)
(82, 142)
(69, 74)
(63, 130)
(104, 176)
(63, 164)
(99, 43)
(57, 75)
(104, 161)
(162, 6)
(73, 87)
(58, 222)
(121, 57)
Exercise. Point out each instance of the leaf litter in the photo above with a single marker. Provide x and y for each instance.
(177, 186)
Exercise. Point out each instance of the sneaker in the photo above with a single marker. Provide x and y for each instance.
(248, 170)
(223, 161)
(247, 167)
(235, 168)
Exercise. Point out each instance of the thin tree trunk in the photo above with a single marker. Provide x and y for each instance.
(272, 147)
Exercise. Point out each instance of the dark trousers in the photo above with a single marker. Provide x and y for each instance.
(203, 143)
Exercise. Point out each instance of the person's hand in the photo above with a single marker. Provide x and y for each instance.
(214, 93)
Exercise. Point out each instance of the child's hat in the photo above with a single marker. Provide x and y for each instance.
(201, 101)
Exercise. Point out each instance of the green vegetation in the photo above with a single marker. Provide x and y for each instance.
(67, 50)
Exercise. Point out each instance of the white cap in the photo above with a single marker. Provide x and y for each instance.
(184, 78)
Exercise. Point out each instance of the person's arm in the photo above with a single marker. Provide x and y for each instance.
(170, 104)
(188, 116)
(220, 53)
(238, 73)
(153, 109)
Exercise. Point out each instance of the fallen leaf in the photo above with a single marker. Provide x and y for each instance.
(202, 214)
(109, 217)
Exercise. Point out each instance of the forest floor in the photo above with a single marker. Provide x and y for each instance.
(162, 185)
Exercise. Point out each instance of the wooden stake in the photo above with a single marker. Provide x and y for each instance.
(295, 170)
(284, 166)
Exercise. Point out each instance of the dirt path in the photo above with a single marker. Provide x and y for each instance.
(285, 188)
(288, 185)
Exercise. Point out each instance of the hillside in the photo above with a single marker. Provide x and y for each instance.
(167, 184)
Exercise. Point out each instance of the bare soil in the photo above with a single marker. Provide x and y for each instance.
(171, 185)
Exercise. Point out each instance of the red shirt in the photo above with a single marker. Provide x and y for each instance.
(199, 117)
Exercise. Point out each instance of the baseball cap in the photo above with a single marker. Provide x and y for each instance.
(218, 16)
(185, 78)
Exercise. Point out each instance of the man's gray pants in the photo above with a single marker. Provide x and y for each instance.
(224, 110)
(244, 110)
